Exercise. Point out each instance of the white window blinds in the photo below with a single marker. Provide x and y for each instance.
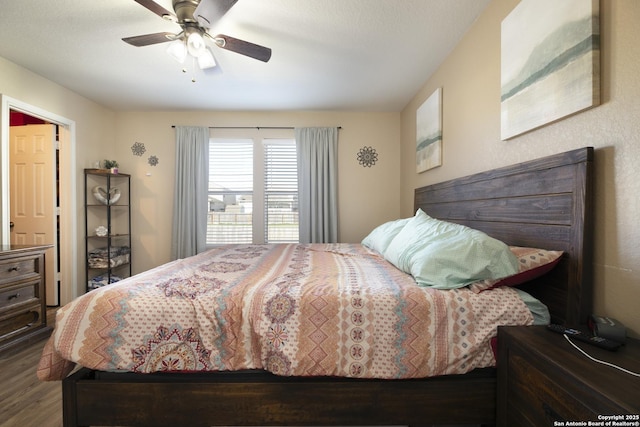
(280, 191)
(230, 191)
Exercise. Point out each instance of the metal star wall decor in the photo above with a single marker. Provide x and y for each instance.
(138, 149)
(367, 157)
(153, 161)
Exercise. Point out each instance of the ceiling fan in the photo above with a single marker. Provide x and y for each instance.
(196, 17)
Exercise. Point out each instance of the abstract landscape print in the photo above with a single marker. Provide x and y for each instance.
(550, 65)
(429, 133)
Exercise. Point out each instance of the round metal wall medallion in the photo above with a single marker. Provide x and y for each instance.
(367, 156)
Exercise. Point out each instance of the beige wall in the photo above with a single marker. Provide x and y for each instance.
(470, 78)
(367, 196)
(94, 123)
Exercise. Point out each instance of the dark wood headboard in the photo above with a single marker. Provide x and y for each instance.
(544, 203)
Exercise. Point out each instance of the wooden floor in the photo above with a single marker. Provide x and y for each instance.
(26, 401)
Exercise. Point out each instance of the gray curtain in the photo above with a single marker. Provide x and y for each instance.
(317, 152)
(190, 206)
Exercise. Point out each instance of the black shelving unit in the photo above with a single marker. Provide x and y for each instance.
(107, 201)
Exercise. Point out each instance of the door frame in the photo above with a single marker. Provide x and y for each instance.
(67, 161)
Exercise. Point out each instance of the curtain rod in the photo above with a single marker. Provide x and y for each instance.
(252, 127)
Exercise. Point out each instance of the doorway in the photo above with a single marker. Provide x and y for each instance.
(66, 223)
(34, 192)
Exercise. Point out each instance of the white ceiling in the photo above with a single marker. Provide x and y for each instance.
(359, 55)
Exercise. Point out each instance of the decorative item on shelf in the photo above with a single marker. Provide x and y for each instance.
(97, 167)
(138, 149)
(101, 231)
(104, 197)
(367, 156)
(153, 161)
(112, 165)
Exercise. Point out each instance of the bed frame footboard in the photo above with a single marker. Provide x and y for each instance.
(258, 398)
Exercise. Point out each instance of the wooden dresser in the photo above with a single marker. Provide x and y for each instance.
(23, 315)
(544, 381)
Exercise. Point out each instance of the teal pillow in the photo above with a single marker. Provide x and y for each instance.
(382, 235)
(445, 255)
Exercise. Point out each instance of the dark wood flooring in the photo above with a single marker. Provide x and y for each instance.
(26, 401)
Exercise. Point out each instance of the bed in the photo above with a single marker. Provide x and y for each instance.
(544, 203)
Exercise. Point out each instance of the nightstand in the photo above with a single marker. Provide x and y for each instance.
(544, 381)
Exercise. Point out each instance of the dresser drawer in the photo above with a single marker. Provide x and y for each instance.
(20, 322)
(15, 270)
(23, 312)
(16, 295)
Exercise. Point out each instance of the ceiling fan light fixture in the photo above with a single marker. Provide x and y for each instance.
(206, 59)
(195, 44)
(177, 49)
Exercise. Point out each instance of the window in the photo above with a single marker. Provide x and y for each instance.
(230, 191)
(280, 191)
(253, 191)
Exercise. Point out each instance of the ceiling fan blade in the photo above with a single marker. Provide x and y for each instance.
(242, 47)
(156, 8)
(148, 39)
(209, 12)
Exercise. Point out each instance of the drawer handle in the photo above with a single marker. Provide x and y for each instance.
(14, 296)
(16, 268)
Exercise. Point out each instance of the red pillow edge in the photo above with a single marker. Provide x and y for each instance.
(526, 275)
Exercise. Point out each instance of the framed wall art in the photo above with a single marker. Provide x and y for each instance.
(429, 133)
(550, 63)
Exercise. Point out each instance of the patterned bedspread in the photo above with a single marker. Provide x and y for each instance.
(317, 309)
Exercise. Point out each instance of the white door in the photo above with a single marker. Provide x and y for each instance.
(33, 200)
